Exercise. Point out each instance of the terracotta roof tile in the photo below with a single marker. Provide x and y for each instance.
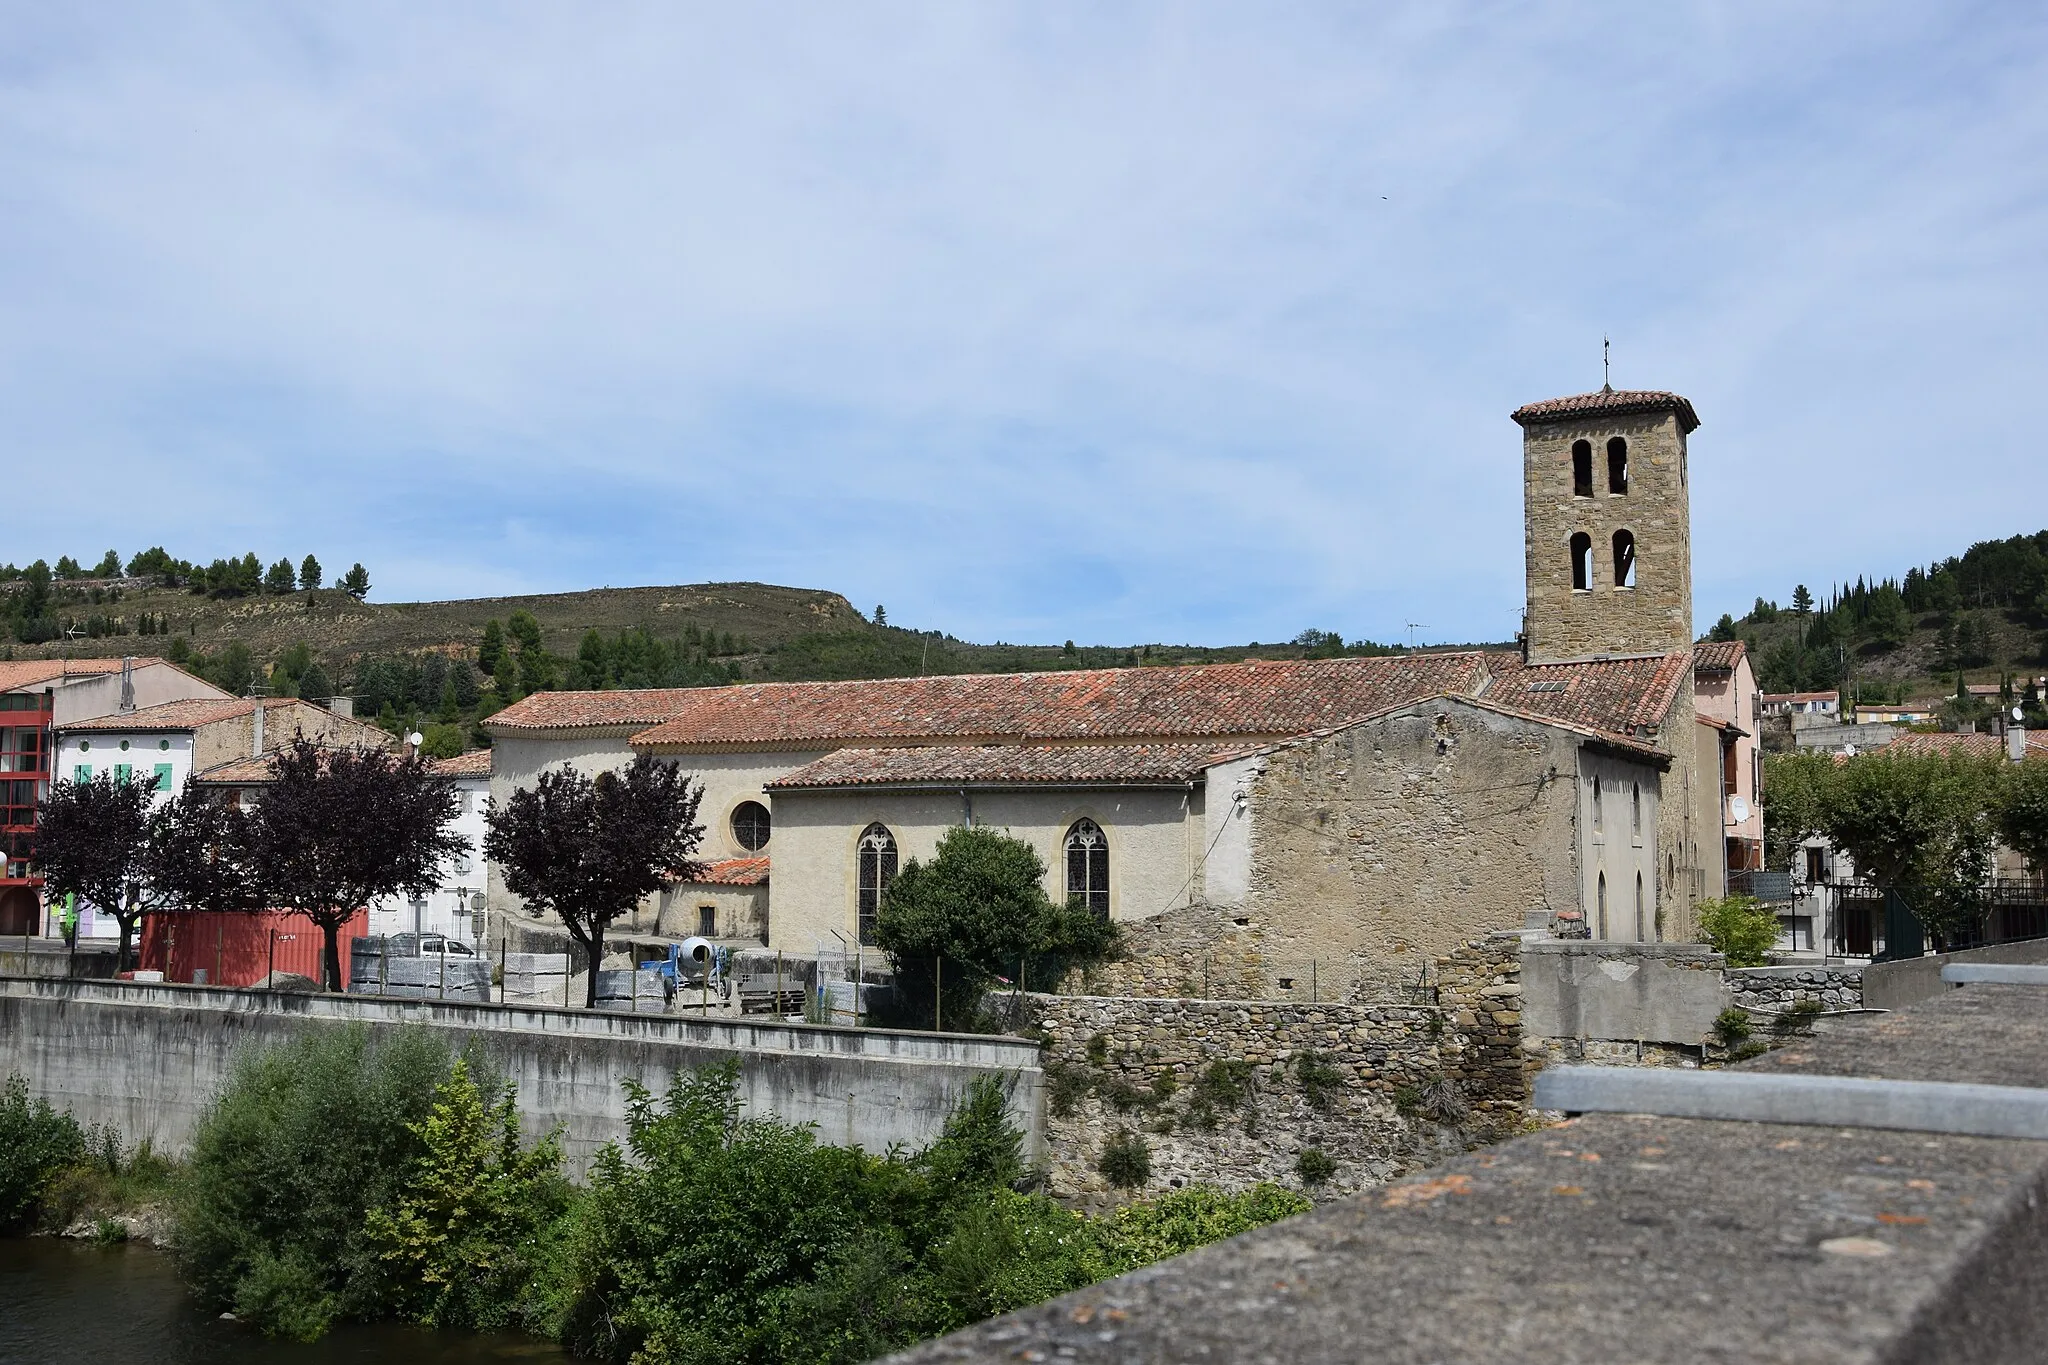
(32, 672)
(475, 763)
(183, 715)
(1980, 746)
(637, 707)
(1718, 656)
(1621, 697)
(239, 772)
(1008, 764)
(732, 872)
(1274, 698)
(1608, 402)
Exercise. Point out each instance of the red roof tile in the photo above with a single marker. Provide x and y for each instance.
(183, 715)
(732, 872)
(1608, 403)
(475, 763)
(636, 707)
(1718, 656)
(1980, 746)
(1009, 764)
(1617, 696)
(240, 772)
(31, 672)
(1273, 698)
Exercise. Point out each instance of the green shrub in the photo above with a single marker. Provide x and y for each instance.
(1098, 1049)
(1139, 1234)
(36, 1143)
(1064, 1088)
(1731, 1027)
(1222, 1086)
(1320, 1081)
(1126, 1161)
(109, 1180)
(460, 1243)
(307, 1138)
(1314, 1166)
(1740, 928)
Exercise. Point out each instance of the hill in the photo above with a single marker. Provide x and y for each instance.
(1980, 617)
(444, 666)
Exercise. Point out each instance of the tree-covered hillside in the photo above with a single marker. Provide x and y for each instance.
(1981, 617)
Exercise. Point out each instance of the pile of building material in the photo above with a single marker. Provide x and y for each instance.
(638, 992)
(536, 979)
(392, 966)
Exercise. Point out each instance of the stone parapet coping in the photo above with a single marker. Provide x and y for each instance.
(1623, 1237)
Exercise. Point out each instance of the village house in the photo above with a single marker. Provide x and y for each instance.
(454, 908)
(38, 697)
(224, 741)
(1364, 814)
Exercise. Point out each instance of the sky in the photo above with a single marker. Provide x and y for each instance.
(1112, 322)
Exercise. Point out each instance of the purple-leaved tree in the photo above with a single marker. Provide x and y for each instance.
(588, 849)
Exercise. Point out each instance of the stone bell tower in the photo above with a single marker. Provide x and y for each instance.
(1606, 521)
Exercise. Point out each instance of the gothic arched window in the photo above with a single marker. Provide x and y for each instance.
(1582, 561)
(1582, 469)
(1602, 906)
(877, 868)
(1088, 867)
(1641, 937)
(1617, 466)
(1624, 559)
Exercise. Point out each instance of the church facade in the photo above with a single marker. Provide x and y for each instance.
(1361, 814)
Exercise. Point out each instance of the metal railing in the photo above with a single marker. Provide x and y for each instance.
(1888, 924)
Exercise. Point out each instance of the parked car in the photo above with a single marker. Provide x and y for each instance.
(434, 945)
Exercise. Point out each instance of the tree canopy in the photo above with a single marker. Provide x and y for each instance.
(977, 913)
(588, 849)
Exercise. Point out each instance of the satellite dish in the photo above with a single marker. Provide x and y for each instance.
(415, 739)
(1739, 808)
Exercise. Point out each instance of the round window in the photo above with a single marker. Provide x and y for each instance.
(164, 744)
(124, 746)
(750, 826)
(85, 746)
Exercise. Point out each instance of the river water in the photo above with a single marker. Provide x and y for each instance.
(62, 1302)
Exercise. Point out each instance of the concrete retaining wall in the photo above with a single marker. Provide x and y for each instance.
(1647, 992)
(1894, 985)
(149, 1059)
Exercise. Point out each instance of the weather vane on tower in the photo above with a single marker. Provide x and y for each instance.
(1606, 377)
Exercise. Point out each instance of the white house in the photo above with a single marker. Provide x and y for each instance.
(452, 907)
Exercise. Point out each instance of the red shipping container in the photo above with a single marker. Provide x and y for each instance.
(240, 950)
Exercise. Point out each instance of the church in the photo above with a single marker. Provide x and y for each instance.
(1363, 815)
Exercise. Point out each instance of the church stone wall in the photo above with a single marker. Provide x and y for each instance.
(1653, 617)
(1381, 847)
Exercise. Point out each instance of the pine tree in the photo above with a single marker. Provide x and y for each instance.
(492, 648)
(356, 582)
(110, 566)
(881, 615)
(1802, 600)
(309, 574)
(280, 580)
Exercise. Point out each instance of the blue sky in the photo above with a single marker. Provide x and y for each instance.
(1114, 322)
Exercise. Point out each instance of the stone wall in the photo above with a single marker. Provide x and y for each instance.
(1219, 1091)
(1775, 988)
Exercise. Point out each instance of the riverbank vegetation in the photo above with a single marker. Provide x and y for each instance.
(347, 1177)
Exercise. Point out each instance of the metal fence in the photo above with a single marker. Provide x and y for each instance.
(1887, 924)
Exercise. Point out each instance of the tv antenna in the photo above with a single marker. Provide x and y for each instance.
(1414, 626)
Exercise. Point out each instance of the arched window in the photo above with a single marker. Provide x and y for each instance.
(1602, 893)
(1635, 808)
(1088, 867)
(1582, 469)
(1582, 561)
(750, 826)
(1617, 466)
(1596, 803)
(1624, 559)
(877, 870)
(1641, 937)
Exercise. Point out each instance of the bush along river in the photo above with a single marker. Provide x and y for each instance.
(64, 1301)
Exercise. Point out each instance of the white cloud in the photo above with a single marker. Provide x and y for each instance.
(1117, 322)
